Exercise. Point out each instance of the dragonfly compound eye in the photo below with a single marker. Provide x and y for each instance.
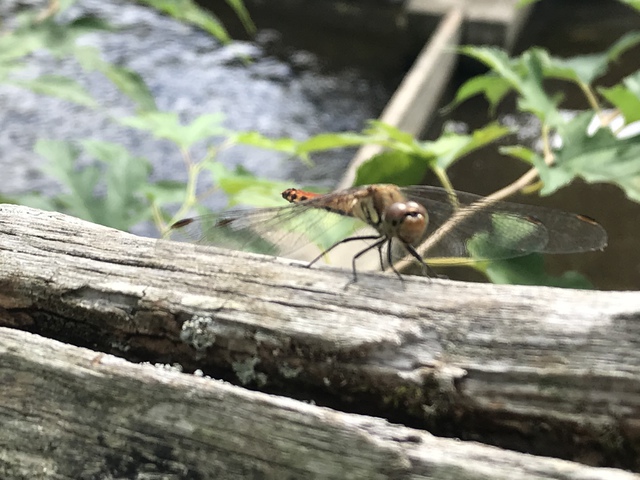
(408, 220)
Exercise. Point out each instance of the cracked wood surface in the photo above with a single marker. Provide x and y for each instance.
(541, 370)
(90, 415)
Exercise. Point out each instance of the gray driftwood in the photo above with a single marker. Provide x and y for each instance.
(540, 370)
(69, 412)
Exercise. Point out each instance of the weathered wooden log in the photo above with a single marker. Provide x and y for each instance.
(72, 413)
(539, 370)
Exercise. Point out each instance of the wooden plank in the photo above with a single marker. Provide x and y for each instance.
(71, 413)
(541, 370)
(487, 22)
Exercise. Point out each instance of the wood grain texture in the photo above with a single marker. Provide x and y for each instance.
(540, 370)
(86, 415)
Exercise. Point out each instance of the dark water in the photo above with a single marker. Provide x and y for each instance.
(283, 91)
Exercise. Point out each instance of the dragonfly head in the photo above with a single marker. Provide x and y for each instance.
(407, 221)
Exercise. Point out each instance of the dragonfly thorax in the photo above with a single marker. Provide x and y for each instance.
(406, 221)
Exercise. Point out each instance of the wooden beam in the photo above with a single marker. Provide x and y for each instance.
(540, 370)
(70, 413)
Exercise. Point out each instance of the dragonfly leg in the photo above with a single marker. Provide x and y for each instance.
(380, 241)
(380, 255)
(345, 240)
(414, 253)
(390, 260)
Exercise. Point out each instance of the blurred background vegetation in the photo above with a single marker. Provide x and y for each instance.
(139, 113)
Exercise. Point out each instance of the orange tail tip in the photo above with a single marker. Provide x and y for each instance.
(294, 195)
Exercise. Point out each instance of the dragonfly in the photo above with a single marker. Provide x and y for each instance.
(417, 222)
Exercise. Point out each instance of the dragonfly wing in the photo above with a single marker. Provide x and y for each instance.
(273, 231)
(502, 229)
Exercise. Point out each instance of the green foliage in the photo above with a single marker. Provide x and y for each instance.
(593, 154)
(524, 3)
(60, 39)
(165, 125)
(243, 188)
(529, 270)
(118, 174)
(600, 157)
(408, 160)
(188, 11)
(58, 86)
(525, 74)
(46, 31)
(392, 166)
(302, 149)
(625, 97)
(632, 3)
(597, 157)
(127, 81)
(116, 188)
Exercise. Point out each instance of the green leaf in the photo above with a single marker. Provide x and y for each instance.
(127, 81)
(626, 42)
(188, 11)
(6, 67)
(80, 184)
(533, 97)
(329, 141)
(450, 147)
(167, 125)
(122, 205)
(408, 164)
(391, 166)
(632, 3)
(529, 270)
(203, 127)
(18, 44)
(242, 188)
(243, 15)
(65, 4)
(324, 141)
(131, 84)
(625, 97)
(49, 34)
(33, 200)
(524, 75)
(580, 69)
(522, 153)
(497, 60)
(493, 87)
(600, 157)
(584, 69)
(165, 192)
(126, 176)
(61, 87)
(87, 24)
(255, 139)
(380, 129)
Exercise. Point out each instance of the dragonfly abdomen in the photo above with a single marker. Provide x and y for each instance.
(341, 206)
